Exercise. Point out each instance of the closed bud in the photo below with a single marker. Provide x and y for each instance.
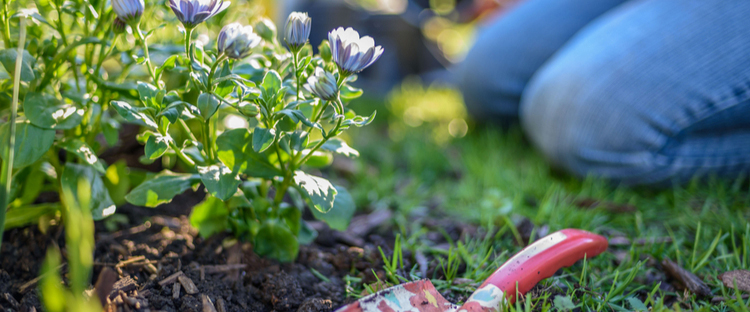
(325, 51)
(129, 11)
(297, 30)
(237, 41)
(322, 84)
(249, 109)
(118, 26)
(266, 29)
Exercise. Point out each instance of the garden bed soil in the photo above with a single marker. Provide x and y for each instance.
(158, 251)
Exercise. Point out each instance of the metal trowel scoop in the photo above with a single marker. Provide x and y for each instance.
(516, 276)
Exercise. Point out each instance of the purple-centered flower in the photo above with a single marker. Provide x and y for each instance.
(322, 84)
(297, 30)
(193, 12)
(237, 41)
(129, 11)
(351, 53)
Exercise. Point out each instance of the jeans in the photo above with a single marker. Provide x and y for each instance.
(648, 92)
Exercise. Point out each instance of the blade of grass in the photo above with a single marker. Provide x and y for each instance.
(6, 174)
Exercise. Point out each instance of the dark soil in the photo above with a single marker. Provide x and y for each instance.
(160, 242)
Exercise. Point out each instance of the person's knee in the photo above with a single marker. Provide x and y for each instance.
(581, 122)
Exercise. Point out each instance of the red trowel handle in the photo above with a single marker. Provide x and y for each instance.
(534, 263)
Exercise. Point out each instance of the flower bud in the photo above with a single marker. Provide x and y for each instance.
(237, 41)
(129, 11)
(193, 12)
(351, 53)
(297, 30)
(119, 26)
(266, 29)
(325, 51)
(249, 109)
(322, 84)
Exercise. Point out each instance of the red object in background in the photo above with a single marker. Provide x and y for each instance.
(516, 276)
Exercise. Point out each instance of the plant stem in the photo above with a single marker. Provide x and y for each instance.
(103, 57)
(144, 45)
(340, 110)
(6, 25)
(219, 59)
(185, 128)
(188, 37)
(295, 55)
(182, 155)
(6, 175)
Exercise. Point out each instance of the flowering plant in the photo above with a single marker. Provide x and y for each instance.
(241, 115)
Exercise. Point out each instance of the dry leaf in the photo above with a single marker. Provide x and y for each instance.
(740, 277)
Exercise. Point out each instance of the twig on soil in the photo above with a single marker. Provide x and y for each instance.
(176, 291)
(33, 282)
(688, 279)
(208, 306)
(170, 279)
(210, 269)
(718, 299)
(220, 305)
(362, 225)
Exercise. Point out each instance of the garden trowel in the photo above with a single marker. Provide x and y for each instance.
(516, 276)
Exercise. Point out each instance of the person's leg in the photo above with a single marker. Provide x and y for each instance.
(508, 52)
(653, 92)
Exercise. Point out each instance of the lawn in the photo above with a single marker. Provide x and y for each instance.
(496, 180)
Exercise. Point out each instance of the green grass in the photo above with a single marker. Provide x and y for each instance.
(493, 178)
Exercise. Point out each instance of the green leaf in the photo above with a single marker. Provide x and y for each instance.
(342, 212)
(25, 215)
(210, 217)
(224, 87)
(359, 121)
(292, 216)
(263, 138)
(150, 95)
(220, 181)
(180, 109)
(320, 191)
(297, 116)
(117, 181)
(136, 115)
(636, 304)
(298, 140)
(563, 303)
(51, 283)
(338, 146)
(83, 151)
(156, 146)
(169, 63)
(349, 93)
(236, 152)
(271, 82)
(50, 113)
(32, 142)
(111, 131)
(161, 188)
(275, 240)
(306, 234)
(100, 202)
(208, 104)
(8, 58)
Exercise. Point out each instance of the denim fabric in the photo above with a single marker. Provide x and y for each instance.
(648, 92)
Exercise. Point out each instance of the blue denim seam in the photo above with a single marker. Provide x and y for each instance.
(707, 113)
